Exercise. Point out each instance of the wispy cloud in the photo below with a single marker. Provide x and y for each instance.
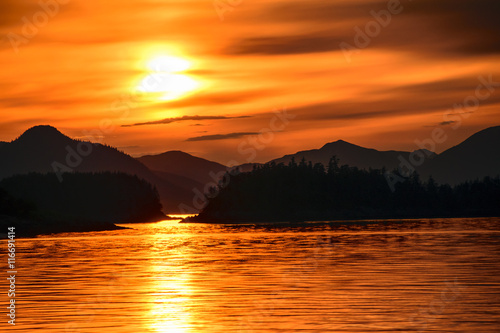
(221, 136)
(423, 63)
(458, 27)
(184, 118)
(450, 122)
(12, 11)
(294, 44)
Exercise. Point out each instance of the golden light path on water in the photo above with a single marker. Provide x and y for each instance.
(170, 277)
(171, 293)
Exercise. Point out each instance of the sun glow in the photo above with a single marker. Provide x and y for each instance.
(168, 64)
(170, 292)
(165, 80)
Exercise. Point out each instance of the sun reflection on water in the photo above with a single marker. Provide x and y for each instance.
(170, 292)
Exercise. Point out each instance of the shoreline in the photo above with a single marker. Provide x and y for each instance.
(339, 220)
(32, 227)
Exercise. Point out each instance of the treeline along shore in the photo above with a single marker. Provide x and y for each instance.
(38, 203)
(297, 192)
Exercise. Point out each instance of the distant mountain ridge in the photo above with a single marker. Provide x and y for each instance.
(475, 158)
(37, 149)
(183, 164)
(350, 154)
(178, 175)
(447, 167)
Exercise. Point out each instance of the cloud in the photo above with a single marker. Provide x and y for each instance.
(443, 123)
(394, 106)
(12, 12)
(450, 122)
(426, 26)
(465, 85)
(184, 118)
(293, 44)
(221, 136)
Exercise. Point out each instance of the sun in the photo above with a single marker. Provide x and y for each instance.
(165, 80)
(169, 64)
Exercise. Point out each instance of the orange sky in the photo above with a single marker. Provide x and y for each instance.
(80, 67)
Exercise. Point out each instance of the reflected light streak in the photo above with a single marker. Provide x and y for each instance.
(170, 293)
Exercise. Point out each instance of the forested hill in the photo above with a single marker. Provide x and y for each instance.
(82, 199)
(302, 192)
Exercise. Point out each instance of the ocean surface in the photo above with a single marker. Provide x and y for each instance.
(432, 275)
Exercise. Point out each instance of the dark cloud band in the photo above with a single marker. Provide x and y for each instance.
(184, 118)
(221, 136)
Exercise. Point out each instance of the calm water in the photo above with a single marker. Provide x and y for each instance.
(439, 275)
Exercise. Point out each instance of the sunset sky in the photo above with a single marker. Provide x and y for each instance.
(204, 76)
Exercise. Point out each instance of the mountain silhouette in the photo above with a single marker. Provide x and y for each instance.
(350, 154)
(44, 149)
(183, 164)
(31, 152)
(475, 158)
(177, 174)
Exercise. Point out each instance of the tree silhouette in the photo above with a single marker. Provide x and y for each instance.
(297, 192)
(96, 197)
